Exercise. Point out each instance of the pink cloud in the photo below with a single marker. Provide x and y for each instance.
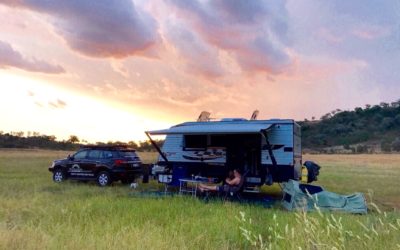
(317, 70)
(200, 58)
(252, 31)
(12, 58)
(329, 36)
(371, 33)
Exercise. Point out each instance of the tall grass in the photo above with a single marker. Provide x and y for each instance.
(323, 230)
(36, 213)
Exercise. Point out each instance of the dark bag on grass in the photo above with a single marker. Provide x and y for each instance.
(313, 170)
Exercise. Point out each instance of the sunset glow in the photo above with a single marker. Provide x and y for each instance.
(109, 70)
(44, 108)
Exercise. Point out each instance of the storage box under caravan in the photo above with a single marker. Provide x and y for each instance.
(267, 150)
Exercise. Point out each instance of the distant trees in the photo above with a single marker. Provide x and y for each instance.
(358, 110)
(360, 149)
(73, 139)
(379, 124)
(384, 105)
(35, 140)
(386, 146)
(133, 144)
(397, 119)
(147, 146)
(326, 116)
(396, 144)
(387, 123)
(372, 123)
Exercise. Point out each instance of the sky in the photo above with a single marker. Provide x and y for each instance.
(110, 69)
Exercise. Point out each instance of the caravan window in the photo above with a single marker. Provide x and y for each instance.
(218, 141)
(195, 141)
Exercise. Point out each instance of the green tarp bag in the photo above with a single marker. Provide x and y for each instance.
(297, 196)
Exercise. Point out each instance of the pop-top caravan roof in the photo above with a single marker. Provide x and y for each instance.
(239, 126)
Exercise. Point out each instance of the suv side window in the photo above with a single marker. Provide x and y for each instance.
(80, 155)
(108, 154)
(94, 154)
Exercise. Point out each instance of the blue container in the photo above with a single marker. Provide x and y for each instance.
(178, 172)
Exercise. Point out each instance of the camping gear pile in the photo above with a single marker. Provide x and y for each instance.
(305, 197)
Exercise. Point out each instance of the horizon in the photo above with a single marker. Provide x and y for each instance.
(83, 141)
(108, 71)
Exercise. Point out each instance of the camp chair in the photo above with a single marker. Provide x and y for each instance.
(234, 193)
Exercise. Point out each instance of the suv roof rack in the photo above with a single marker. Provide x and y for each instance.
(106, 146)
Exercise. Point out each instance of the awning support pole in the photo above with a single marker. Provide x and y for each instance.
(156, 147)
(271, 154)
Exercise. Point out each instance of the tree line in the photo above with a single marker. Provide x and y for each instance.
(39, 141)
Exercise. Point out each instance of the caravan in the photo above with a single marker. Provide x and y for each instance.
(267, 150)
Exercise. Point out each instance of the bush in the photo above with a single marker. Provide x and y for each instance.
(396, 144)
(361, 149)
(386, 146)
(387, 123)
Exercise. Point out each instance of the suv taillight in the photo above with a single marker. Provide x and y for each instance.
(119, 162)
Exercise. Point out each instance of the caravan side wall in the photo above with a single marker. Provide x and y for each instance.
(173, 148)
(298, 162)
(210, 162)
(281, 139)
(285, 141)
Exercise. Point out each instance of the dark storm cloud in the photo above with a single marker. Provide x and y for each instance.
(101, 28)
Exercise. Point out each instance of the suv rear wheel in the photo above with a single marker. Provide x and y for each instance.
(103, 179)
(58, 176)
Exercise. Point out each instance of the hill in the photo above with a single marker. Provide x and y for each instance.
(370, 129)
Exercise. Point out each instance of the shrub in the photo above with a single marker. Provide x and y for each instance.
(361, 149)
(396, 144)
(386, 146)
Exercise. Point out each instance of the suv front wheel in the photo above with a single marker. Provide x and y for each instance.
(58, 176)
(103, 179)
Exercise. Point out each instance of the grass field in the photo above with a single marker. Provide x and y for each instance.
(36, 213)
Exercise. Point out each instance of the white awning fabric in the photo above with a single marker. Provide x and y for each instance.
(214, 128)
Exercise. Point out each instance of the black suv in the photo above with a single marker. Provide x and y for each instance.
(103, 164)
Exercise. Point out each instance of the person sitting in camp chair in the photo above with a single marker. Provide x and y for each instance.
(231, 182)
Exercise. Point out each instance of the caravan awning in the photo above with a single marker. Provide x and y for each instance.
(214, 128)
